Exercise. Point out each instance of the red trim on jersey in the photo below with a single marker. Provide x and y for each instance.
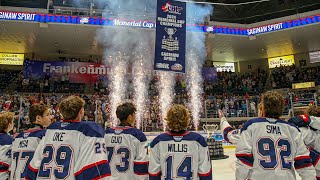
(188, 132)
(32, 169)
(304, 166)
(71, 121)
(251, 155)
(32, 130)
(140, 173)
(157, 174)
(316, 161)
(301, 157)
(100, 177)
(90, 166)
(248, 164)
(228, 127)
(205, 174)
(121, 128)
(144, 162)
(4, 170)
(5, 164)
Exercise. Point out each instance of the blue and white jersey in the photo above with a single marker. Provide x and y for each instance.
(23, 148)
(312, 140)
(272, 149)
(70, 150)
(5, 154)
(180, 156)
(229, 134)
(127, 149)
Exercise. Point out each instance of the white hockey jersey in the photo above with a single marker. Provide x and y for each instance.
(180, 156)
(23, 148)
(272, 149)
(70, 150)
(5, 154)
(229, 134)
(312, 140)
(127, 149)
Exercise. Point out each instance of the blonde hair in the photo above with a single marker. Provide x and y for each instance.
(313, 111)
(178, 118)
(70, 107)
(5, 119)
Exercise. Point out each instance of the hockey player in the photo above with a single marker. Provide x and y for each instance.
(309, 125)
(25, 144)
(6, 125)
(270, 148)
(179, 154)
(71, 149)
(127, 147)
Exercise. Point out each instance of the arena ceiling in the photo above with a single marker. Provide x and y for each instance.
(257, 12)
(58, 40)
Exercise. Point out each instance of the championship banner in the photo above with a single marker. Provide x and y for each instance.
(170, 36)
(11, 59)
(78, 72)
(281, 61)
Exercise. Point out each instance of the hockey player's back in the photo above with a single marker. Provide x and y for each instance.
(127, 147)
(270, 148)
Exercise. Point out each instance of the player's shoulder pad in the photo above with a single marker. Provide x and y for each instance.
(5, 139)
(138, 134)
(260, 120)
(252, 121)
(188, 136)
(38, 133)
(192, 136)
(87, 128)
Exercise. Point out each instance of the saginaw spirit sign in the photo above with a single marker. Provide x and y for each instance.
(170, 36)
(281, 61)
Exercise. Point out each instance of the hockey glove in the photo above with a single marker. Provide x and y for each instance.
(300, 121)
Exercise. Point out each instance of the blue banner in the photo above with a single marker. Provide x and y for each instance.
(170, 51)
(99, 21)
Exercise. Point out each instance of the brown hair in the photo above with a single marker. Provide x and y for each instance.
(273, 104)
(178, 118)
(36, 110)
(70, 107)
(313, 111)
(123, 111)
(5, 119)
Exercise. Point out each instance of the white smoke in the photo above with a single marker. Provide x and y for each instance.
(195, 57)
(166, 92)
(128, 47)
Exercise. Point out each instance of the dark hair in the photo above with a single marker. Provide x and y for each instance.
(273, 104)
(124, 110)
(36, 110)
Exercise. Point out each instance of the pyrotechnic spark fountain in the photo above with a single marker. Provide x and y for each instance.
(117, 86)
(194, 86)
(141, 79)
(166, 88)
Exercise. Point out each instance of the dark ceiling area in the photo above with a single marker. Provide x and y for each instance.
(224, 10)
(260, 11)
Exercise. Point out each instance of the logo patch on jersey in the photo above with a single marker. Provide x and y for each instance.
(177, 138)
(64, 124)
(25, 135)
(118, 131)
